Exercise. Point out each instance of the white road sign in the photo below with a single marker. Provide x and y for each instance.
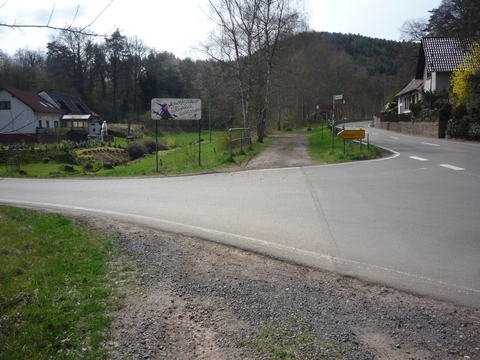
(176, 109)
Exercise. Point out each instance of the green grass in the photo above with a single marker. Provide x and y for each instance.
(56, 287)
(320, 148)
(182, 158)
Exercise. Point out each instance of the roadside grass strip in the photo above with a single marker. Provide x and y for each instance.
(55, 287)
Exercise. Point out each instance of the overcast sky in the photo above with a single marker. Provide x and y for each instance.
(178, 26)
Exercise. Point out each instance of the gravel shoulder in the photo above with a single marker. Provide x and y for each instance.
(187, 298)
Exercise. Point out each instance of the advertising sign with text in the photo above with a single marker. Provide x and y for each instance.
(176, 109)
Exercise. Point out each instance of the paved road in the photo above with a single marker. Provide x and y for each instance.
(410, 221)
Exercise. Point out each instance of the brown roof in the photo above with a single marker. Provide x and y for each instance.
(441, 54)
(35, 102)
(412, 86)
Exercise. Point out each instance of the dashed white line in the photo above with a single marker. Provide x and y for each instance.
(426, 143)
(456, 168)
(394, 137)
(417, 158)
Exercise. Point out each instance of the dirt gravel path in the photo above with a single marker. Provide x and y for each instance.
(193, 299)
(289, 149)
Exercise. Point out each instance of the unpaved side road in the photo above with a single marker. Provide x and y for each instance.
(194, 299)
(288, 150)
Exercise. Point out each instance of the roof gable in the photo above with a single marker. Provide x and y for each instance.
(32, 100)
(439, 54)
(413, 86)
(71, 104)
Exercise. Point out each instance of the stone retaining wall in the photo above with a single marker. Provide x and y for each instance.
(419, 128)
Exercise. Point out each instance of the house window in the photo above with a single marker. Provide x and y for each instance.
(5, 105)
(55, 124)
(48, 124)
(40, 124)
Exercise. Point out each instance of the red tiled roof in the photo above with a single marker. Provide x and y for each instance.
(35, 102)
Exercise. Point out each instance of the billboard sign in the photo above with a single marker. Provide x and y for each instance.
(176, 109)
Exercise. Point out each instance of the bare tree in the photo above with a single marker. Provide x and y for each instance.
(414, 30)
(276, 19)
(84, 30)
(233, 43)
(248, 36)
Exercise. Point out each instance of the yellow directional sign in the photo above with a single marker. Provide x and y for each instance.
(352, 134)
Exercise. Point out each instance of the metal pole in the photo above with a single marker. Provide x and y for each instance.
(156, 144)
(210, 120)
(333, 123)
(241, 141)
(199, 142)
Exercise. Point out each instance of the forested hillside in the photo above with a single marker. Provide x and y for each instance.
(117, 77)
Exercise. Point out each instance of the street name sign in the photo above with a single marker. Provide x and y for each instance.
(176, 109)
(352, 134)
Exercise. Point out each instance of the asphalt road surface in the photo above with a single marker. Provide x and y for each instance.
(410, 221)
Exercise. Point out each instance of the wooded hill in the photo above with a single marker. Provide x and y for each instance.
(118, 77)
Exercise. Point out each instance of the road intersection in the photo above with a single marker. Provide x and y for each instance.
(408, 221)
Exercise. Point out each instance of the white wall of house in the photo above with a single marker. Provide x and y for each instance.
(428, 80)
(404, 101)
(436, 80)
(21, 119)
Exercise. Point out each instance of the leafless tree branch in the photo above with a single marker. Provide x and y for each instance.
(69, 28)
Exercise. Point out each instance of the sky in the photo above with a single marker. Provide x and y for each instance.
(179, 26)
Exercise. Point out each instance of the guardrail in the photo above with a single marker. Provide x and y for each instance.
(248, 137)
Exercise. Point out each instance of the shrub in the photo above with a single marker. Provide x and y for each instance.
(162, 146)
(457, 128)
(150, 145)
(136, 150)
(474, 130)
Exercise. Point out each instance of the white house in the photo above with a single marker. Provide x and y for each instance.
(410, 94)
(438, 58)
(24, 114)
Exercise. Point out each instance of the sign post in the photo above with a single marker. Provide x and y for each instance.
(176, 109)
(336, 100)
(351, 135)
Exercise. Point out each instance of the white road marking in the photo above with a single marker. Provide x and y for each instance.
(426, 143)
(393, 137)
(417, 158)
(456, 168)
(285, 248)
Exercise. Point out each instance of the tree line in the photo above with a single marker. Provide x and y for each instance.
(265, 70)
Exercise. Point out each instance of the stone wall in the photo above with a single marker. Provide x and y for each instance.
(426, 129)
